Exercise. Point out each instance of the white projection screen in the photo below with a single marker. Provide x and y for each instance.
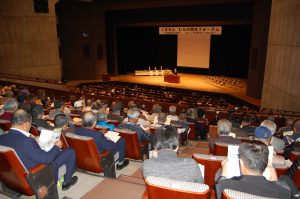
(193, 50)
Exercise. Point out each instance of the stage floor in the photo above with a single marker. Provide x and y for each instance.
(196, 82)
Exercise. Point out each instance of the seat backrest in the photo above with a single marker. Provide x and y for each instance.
(220, 149)
(5, 125)
(213, 131)
(168, 188)
(192, 133)
(211, 165)
(34, 131)
(87, 155)
(232, 194)
(133, 147)
(12, 171)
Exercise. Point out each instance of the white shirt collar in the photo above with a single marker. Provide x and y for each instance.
(23, 132)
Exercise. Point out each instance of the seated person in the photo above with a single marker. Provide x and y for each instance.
(264, 135)
(10, 105)
(37, 113)
(244, 130)
(276, 142)
(102, 120)
(142, 132)
(181, 122)
(115, 112)
(192, 117)
(253, 160)
(89, 121)
(224, 130)
(172, 113)
(156, 109)
(165, 162)
(59, 107)
(296, 134)
(161, 120)
(30, 152)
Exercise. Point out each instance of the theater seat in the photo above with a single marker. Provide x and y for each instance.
(158, 187)
(88, 157)
(220, 149)
(5, 125)
(14, 176)
(232, 194)
(192, 134)
(134, 149)
(213, 131)
(211, 165)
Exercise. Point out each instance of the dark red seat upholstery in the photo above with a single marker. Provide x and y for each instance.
(5, 125)
(16, 177)
(211, 165)
(134, 149)
(88, 157)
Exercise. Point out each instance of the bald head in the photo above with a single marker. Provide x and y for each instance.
(19, 117)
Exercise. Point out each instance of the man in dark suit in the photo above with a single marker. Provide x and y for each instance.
(89, 121)
(30, 152)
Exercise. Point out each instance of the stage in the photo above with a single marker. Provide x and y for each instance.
(232, 86)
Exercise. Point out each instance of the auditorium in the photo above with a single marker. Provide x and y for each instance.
(149, 99)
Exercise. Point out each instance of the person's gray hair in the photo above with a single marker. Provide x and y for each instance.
(133, 113)
(254, 155)
(88, 119)
(224, 126)
(162, 118)
(102, 114)
(10, 104)
(156, 108)
(270, 125)
(172, 109)
(192, 113)
(166, 138)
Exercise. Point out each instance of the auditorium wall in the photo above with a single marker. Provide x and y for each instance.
(282, 74)
(28, 41)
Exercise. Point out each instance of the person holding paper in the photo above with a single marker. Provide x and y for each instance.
(165, 162)
(89, 121)
(253, 160)
(30, 152)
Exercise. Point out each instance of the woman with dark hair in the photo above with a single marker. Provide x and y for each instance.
(165, 162)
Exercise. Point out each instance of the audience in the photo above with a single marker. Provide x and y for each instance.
(102, 120)
(224, 130)
(89, 121)
(172, 113)
(253, 160)
(37, 113)
(10, 105)
(30, 152)
(295, 137)
(132, 124)
(165, 162)
(276, 142)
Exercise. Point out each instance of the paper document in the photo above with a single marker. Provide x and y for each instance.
(47, 139)
(113, 136)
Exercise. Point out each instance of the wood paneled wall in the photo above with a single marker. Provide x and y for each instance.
(28, 41)
(281, 88)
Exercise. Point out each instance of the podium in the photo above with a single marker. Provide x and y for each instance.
(172, 79)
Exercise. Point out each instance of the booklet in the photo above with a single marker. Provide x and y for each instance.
(47, 139)
(113, 136)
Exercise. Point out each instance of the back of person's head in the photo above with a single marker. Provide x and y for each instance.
(133, 113)
(89, 119)
(89, 102)
(245, 122)
(58, 104)
(161, 118)
(20, 116)
(289, 122)
(166, 138)
(270, 125)
(172, 109)
(116, 107)
(95, 106)
(182, 116)
(254, 156)
(10, 104)
(224, 126)
(263, 133)
(102, 114)
(60, 120)
(130, 104)
(21, 98)
(201, 113)
(156, 108)
(192, 113)
(297, 126)
(36, 111)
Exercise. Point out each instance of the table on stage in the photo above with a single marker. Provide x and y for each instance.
(172, 79)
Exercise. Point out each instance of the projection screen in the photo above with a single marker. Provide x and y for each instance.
(193, 50)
